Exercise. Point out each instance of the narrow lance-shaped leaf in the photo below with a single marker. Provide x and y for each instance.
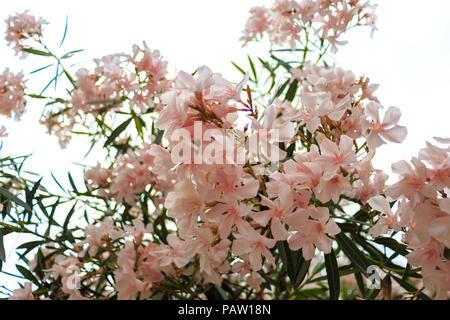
(28, 275)
(238, 68)
(70, 54)
(68, 217)
(65, 32)
(252, 66)
(332, 275)
(117, 132)
(37, 52)
(8, 195)
(72, 183)
(40, 69)
(290, 94)
(302, 268)
(2, 248)
(357, 258)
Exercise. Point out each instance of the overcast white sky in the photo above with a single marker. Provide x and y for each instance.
(408, 57)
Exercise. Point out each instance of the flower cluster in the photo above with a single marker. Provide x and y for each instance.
(12, 97)
(208, 201)
(285, 21)
(135, 80)
(335, 98)
(133, 172)
(21, 27)
(228, 224)
(423, 213)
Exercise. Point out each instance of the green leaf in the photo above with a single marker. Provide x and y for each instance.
(72, 183)
(65, 32)
(447, 253)
(69, 77)
(286, 258)
(69, 215)
(59, 185)
(140, 124)
(159, 137)
(332, 275)
(37, 52)
(252, 66)
(40, 69)
(8, 195)
(360, 282)
(51, 220)
(37, 96)
(290, 94)
(238, 68)
(117, 132)
(31, 245)
(410, 288)
(393, 244)
(357, 258)
(302, 269)
(29, 195)
(282, 88)
(295, 264)
(28, 275)
(2, 248)
(290, 150)
(70, 54)
(406, 273)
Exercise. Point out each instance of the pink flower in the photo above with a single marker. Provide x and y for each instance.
(331, 186)
(174, 253)
(12, 99)
(439, 279)
(126, 282)
(277, 212)
(150, 62)
(229, 214)
(313, 225)
(97, 176)
(432, 223)
(24, 293)
(412, 184)
(185, 203)
(255, 245)
(97, 234)
(231, 183)
(138, 230)
(386, 129)
(256, 24)
(21, 27)
(334, 157)
(313, 109)
(396, 221)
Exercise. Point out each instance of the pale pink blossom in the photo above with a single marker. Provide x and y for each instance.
(24, 293)
(390, 220)
(185, 203)
(313, 226)
(21, 27)
(278, 210)
(334, 157)
(331, 186)
(388, 129)
(229, 214)
(12, 100)
(255, 245)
